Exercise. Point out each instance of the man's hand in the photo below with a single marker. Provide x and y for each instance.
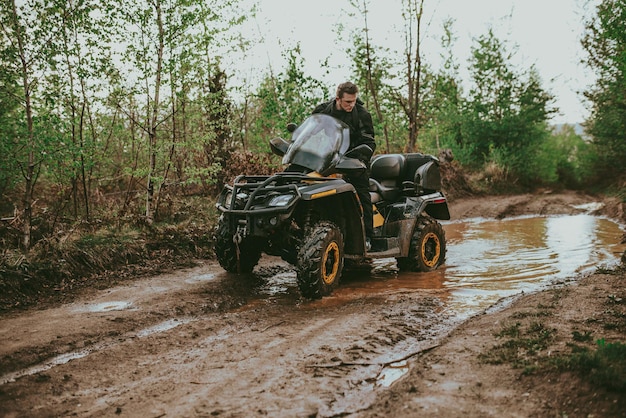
(361, 152)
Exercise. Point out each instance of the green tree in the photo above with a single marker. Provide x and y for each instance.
(78, 59)
(287, 97)
(146, 50)
(35, 138)
(164, 45)
(506, 114)
(442, 100)
(413, 12)
(370, 71)
(201, 109)
(9, 108)
(570, 153)
(605, 44)
(207, 128)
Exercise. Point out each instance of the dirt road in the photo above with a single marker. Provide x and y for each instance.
(200, 342)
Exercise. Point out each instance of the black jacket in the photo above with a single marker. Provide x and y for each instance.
(359, 121)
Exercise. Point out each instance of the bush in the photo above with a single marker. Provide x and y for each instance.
(605, 367)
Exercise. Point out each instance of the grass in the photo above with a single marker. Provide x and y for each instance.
(605, 366)
(582, 336)
(526, 344)
(521, 347)
(525, 348)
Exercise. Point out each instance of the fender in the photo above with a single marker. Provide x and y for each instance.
(434, 204)
(340, 200)
(326, 188)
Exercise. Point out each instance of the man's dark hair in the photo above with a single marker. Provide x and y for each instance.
(347, 87)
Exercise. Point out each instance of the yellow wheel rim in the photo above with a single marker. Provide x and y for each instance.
(431, 249)
(330, 263)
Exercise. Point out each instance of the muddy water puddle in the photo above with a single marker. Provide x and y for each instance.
(488, 260)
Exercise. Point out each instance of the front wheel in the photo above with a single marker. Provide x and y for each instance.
(320, 261)
(233, 257)
(428, 247)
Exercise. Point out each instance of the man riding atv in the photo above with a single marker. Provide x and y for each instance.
(312, 217)
(349, 109)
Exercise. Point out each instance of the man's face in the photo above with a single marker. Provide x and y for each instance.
(347, 102)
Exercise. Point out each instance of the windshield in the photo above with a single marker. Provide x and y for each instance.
(318, 143)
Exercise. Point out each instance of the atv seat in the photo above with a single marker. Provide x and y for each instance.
(385, 177)
(393, 175)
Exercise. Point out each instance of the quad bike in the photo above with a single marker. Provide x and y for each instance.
(311, 217)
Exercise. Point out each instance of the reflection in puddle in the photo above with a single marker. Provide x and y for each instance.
(162, 327)
(391, 373)
(489, 260)
(279, 283)
(109, 306)
(57, 361)
(200, 278)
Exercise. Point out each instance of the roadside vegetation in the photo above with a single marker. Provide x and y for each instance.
(593, 349)
(119, 127)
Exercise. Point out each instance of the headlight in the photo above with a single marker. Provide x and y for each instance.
(240, 200)
(227, 199)
(282, 200)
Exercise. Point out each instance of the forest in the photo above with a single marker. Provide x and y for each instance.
(119, 124)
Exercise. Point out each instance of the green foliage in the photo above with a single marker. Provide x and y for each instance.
(288, 97)
(582, 337)
(500, 127)
(504, 119)
(34, 139)
(371, 68)
(605, 367)
(9, 115)
(91, 123)
(521, 345)
(443, 127)
(605, 45)
(570, 152)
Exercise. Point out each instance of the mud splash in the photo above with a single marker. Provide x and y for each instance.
(392, 373)
(108, 306)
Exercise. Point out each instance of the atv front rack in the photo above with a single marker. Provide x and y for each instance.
(255, 193)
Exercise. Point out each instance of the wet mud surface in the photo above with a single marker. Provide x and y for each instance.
(201, 342)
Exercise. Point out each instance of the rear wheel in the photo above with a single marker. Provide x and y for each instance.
(320, 261)
(226, 251)
(428, 247)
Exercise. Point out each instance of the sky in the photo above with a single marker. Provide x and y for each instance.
(543, 33)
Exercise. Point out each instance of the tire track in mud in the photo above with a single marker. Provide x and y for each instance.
(44, 337)
(231, 356)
